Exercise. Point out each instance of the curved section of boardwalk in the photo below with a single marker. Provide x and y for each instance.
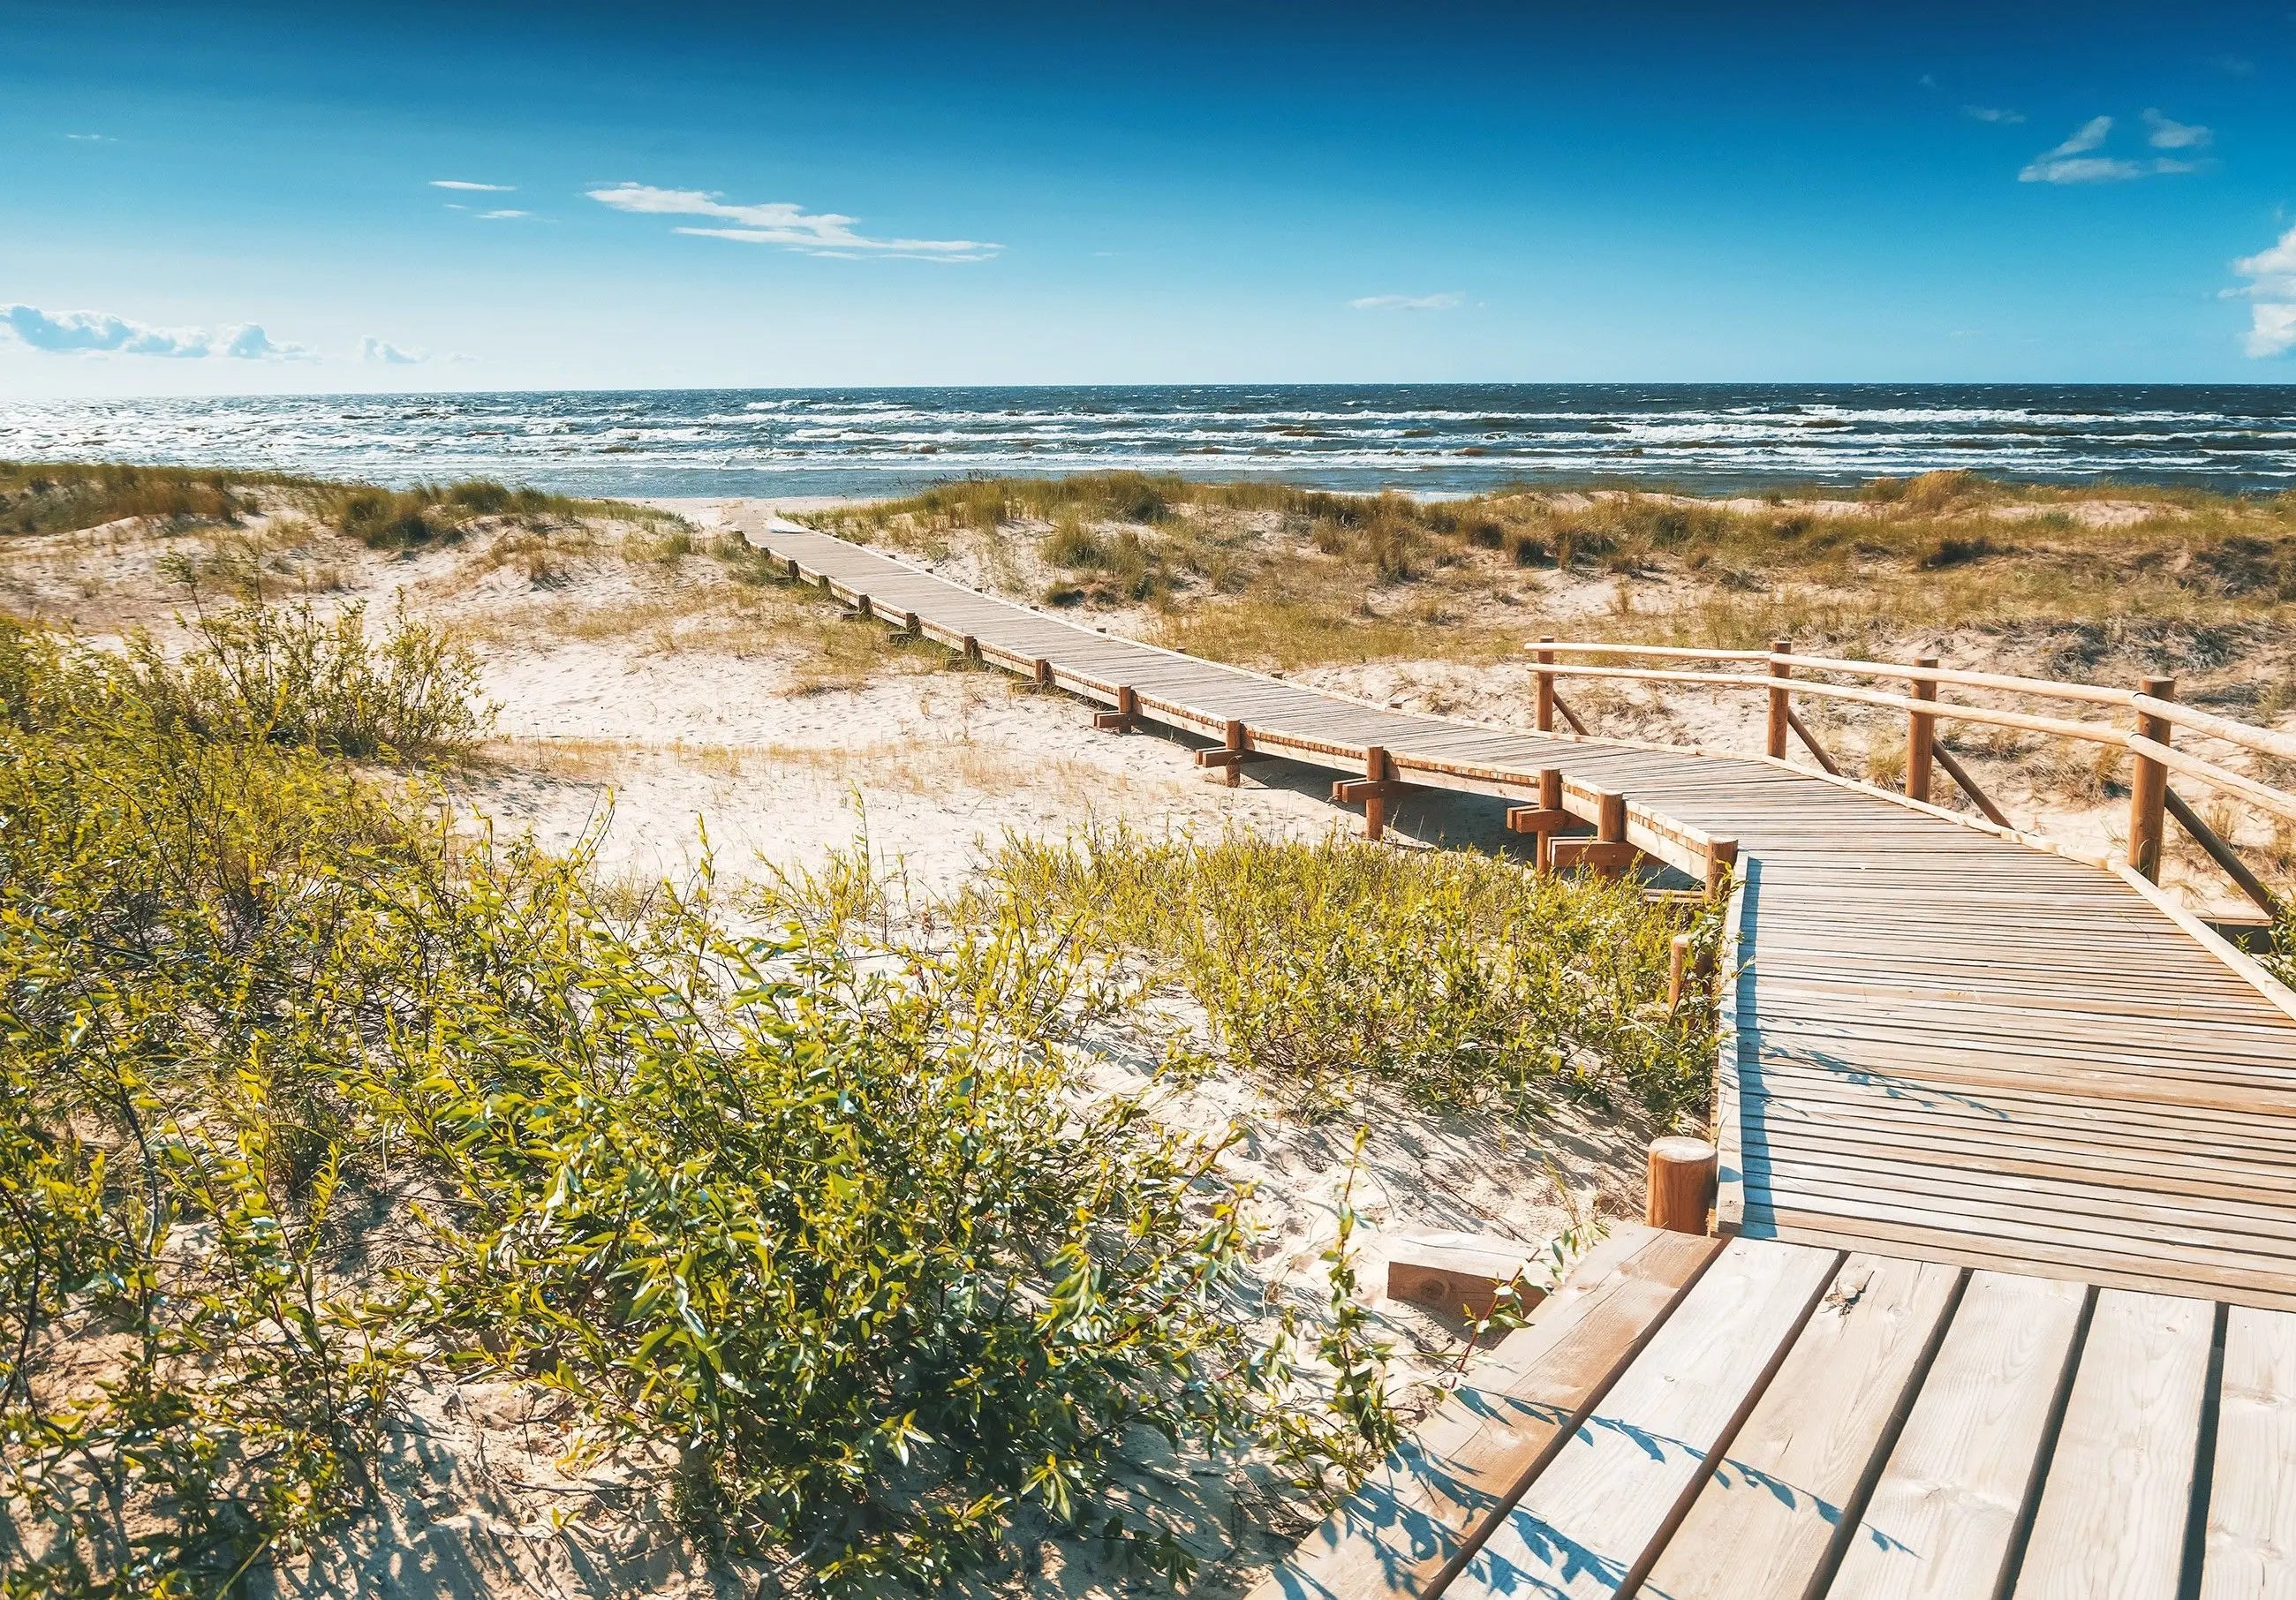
(1949, 1045)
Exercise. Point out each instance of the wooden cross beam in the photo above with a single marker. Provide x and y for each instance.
(1607, 854)
(1376, 787)
(1123, 718)
(1232, 752)
(1544, 820)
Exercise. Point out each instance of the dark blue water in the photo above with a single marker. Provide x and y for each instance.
(1425, 438)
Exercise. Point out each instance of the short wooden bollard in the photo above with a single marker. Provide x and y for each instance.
(1677, 971)
(1681, 1184)
(971, 648)
(863, 608)
(1043, 671)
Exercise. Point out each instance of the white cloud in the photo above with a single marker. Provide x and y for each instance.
(2175, 135)
(2271, 275)
(1988, 113)
(99, 333)
(2272, 330)
(91, 138)
(1410, 302)
(2070, 162)
(782, 223)
(502, 216)
(457, 182)
(384, 353)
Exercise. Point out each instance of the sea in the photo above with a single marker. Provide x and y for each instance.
(1424, 437)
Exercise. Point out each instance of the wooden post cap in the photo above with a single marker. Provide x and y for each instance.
(1682, 1172)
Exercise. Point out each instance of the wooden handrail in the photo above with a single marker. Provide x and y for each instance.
(2048, 688)
(2157, 717)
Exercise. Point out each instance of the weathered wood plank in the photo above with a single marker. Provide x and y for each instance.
(2250, 1549)
(2112, 1517)
(1943, 1517)
(1412, 1522)
(1593, 1521)
(1765, 1522)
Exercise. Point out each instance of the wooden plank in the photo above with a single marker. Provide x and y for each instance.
(1765, 1523)
(2112, 1520)
(1593, 1521)
(1943, 1516)
(1413, 1521)
(2250, 1548)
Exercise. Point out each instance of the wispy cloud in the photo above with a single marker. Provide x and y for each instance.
(99, 333)
(504, 214)
(91, 138)
(2074, 162)
(471, 188)
(2166, 135)
(1992, 113)
(782, 223)
(1410, 302)
(2271, 286)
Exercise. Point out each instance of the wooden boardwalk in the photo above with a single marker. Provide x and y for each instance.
(1692, 1419)
(1943, 1044)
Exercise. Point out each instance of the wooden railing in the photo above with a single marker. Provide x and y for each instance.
(2154, 715)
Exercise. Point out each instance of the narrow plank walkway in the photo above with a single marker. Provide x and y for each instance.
(1764, 1421)
(1945, 1044)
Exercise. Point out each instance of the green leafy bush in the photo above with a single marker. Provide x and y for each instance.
(836, 1248)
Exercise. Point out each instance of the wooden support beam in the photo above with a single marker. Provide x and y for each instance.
(1041, 670)
(912, 625)
(1678, 971)
(1921, 733)
(971, 647)
(1721, 861)
(2221, 853)
(2148, 787)
(1378, 771)
(1123, 718)
(795, 576)
(1544, 820)
(862, 609)
(1459, 1274)
(1569, 715)
(1978, 797)
(1606, 857)
(1801, 732)
(1546, 684)
(1681, 1173)
(1780, 711)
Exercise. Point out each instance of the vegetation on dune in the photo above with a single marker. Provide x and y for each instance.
(1285, 577)
(306, 1093)
(1454, 978)
(44, 497)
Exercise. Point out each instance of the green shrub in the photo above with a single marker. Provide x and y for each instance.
(841, 1243)
(1454, 977)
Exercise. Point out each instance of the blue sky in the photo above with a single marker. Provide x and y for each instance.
(247, 197)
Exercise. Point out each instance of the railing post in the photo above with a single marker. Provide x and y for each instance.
(1376, 771)
(1778, 668)
(2148, 787)
(1546, 684)
(1610, 817)
(1921, 734)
